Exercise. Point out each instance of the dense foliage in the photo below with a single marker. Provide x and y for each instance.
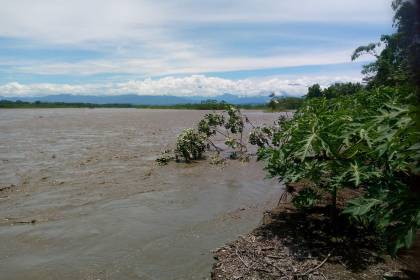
(347, 136)
(190, 144)
(282, 103)
(397, 55)
(367, 141)
(334, 90)
(217, 132)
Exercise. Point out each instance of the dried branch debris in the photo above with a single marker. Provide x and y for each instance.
(291, 246)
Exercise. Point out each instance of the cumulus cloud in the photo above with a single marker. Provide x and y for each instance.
(194, 85)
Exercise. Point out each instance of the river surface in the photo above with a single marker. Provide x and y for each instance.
(81, 196)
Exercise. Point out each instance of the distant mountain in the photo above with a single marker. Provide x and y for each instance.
(234, 99)
(141, 99)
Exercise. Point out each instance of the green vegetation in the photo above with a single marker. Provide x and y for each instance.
(6, 104)
(204, 105)
(335, 90)
(397, 63)
(286, 103)
(349, 136)
(192, 143)
(283, 103)
(367, 141)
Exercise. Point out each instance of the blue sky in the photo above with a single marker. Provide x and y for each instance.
(183, 47)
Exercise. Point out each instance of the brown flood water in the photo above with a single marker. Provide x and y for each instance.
(102, 210)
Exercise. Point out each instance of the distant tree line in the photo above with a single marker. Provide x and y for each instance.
(334, 90)
(281, 103)
(38, 104)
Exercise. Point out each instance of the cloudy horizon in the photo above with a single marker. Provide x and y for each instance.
(183, 48)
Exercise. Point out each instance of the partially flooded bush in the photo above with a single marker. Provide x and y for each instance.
(258, 137)
(165, 157)
(190, 144)
(208, 125)
(235, 121)
(216, 159)
(214, 130)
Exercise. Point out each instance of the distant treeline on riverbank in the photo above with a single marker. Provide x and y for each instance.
(284, 103)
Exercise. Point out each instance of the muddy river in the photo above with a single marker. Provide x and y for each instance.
(81, 197)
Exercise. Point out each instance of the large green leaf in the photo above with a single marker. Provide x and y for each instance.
(361, 206)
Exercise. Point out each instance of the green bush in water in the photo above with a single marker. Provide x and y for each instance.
(190, 144)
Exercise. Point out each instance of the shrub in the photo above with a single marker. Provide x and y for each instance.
(190, 144)
(229, 125)
(235, 122)
(209, 124)
(367, 141)
(165, 157)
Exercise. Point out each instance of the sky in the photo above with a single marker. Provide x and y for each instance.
(183, 47)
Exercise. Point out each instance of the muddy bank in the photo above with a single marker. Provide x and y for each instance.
(292, 245)
(81, 197)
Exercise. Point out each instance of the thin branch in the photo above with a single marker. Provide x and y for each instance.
(214, 145)
(225, 135)
(242, 260)
(248, 121)
(318, 266)
(241, 140)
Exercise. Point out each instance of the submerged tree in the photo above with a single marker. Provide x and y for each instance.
(217, 132)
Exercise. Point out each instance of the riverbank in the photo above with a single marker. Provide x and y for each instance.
(292, 244)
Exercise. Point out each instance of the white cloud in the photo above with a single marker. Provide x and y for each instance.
(89, 20)
(183, 63)
(145, 38)
(194, 85)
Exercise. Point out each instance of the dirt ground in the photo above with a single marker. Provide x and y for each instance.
(292, 245)
(82, 198)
